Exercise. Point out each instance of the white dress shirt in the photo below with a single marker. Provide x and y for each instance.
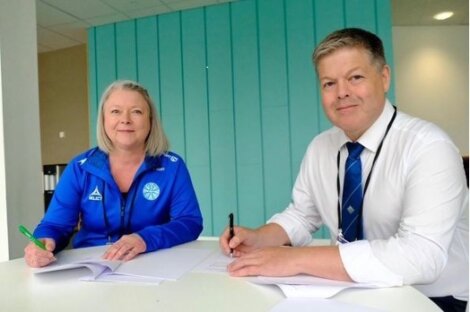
(415, 211)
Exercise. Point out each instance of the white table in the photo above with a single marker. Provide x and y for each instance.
(21, 290)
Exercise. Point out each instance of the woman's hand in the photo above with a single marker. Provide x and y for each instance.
(126, 248)
(36, 257)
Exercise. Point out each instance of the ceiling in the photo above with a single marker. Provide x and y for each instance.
(63, 23)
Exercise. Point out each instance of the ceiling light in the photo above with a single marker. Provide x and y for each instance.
(443, 15)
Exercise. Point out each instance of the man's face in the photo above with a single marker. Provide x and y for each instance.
(353, 89)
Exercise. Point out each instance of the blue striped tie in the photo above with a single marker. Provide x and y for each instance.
(352, 194)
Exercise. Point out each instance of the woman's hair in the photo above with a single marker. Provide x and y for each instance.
(351, 38)
(156, 143)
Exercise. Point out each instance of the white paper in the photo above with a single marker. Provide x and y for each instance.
(302, 279)
(307, 286)
(298, 286)
(79, 258)
(310, 291)
(153, 267)
(217, 262)
(167, 264)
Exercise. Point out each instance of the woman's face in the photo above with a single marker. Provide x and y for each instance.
(126, 120)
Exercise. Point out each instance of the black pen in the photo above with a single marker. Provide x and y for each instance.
(232, 233)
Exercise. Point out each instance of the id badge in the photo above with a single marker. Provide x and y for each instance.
(340, 238)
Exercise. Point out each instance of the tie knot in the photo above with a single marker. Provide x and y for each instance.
(355, 149)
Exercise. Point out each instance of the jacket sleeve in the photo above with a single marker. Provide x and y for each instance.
(62, 214)
(185, 216)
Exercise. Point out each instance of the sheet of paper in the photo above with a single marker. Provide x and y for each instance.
(310, 305)
(301, 279)
(306, 286)
(153, 267)
(215, 263)
(168, 264)
(292, 286)
(79, 258)
(310, 291)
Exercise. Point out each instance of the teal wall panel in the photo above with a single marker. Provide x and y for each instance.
(274, 104)
(171, 80)
(222, 120)
(360, 13)
(246, 95)
(236, 90)
(303, 94)
(147, 57)
(196, 108)
(93, 94)
(105, 49)
(126, 56)
(384, 30)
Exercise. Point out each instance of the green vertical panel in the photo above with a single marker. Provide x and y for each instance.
(105, 57)
(147, 56)
(304, 107)
(223, 163)
(93, 98)
(361, 14)
(247, 114)
(126, 58)
(273, 53)
(275, 112)
(329, 16)
(384, 30)
(171, 81)
(197, 123)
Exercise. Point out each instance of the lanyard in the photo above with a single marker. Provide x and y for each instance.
(124, 229)
(340, 237)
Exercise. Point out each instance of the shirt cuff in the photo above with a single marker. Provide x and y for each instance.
(363, 267)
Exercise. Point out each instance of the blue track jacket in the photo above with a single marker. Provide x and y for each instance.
(161, 205)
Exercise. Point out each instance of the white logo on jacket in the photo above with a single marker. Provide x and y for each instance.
(171, 157)
(151, 191)
(95, 195)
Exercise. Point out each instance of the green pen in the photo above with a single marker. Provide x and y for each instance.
(30, 236)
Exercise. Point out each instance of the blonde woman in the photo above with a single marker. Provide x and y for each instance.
(130, 192)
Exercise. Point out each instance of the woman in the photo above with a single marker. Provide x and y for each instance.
(129, 192)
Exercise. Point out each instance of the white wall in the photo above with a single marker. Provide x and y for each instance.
(431, 77)
(21, 200)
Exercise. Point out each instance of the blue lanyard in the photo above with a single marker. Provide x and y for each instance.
(125, 229)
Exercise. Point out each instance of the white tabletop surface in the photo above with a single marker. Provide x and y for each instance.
(21, 290)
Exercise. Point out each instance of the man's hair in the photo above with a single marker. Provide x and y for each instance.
(156, 143)
(351, 38)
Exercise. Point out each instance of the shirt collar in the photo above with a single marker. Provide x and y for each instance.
(373, 136)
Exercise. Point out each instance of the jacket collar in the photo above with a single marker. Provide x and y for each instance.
(97, 162)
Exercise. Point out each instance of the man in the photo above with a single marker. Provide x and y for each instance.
(403, 222)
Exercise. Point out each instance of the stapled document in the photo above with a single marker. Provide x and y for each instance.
(153, 267)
